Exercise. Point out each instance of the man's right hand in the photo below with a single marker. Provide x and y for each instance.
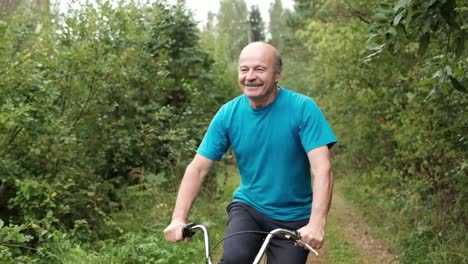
(173, 232)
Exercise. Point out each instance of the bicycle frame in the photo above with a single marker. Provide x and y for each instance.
(288, 234)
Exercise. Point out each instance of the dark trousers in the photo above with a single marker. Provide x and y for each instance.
(242, 248)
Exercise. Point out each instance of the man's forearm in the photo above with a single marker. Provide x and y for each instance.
(188, 191)
(314, 232)
(322, 195)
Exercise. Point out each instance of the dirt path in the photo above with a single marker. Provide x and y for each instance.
(352, 227)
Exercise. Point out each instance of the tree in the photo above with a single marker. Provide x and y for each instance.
(208, 34)
(277, 25)
(257, 27)
(304, 11)
(440, 29)
(38, 11)
(84, 108)
(233, 28)
(402, 125)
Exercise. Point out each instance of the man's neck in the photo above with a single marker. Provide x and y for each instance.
(257, 104)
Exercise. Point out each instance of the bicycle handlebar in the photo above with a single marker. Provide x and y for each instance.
(189, 231)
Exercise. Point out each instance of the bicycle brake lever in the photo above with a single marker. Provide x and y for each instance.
(308, 247)
(297, 235)
(297, 239)
(187, 230)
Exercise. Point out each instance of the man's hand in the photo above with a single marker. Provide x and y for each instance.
(173, 232)
(313, 235)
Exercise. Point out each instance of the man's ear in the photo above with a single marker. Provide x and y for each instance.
(278, 75)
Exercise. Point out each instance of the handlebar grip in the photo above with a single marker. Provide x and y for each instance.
(187, 230)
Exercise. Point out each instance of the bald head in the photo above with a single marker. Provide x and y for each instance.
(264, 49)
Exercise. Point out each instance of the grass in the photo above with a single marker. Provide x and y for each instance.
(339, 249)
(147, 213)
(399, 217)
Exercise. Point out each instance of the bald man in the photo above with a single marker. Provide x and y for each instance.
(281, 141)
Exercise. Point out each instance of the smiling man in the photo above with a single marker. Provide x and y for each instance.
(281, 142)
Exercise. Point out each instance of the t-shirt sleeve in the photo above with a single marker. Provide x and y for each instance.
(216, 141)
(314, 129)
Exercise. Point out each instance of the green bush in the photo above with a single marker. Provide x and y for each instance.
(102, 97)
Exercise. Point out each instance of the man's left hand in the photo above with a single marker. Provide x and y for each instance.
(313, 235)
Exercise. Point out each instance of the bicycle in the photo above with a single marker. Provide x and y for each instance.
(189, 231)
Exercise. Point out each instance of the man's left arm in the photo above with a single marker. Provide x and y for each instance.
(320, 164)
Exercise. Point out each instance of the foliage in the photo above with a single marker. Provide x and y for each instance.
(147, 208)
(257, 26)
(102, 107)
(107, 96)
(439, 27)
(404, 136)
(217, 39)
(12, 242)
(130, 248)
(232, 27)
(277, 24)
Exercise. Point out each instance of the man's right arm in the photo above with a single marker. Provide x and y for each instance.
(188, 191)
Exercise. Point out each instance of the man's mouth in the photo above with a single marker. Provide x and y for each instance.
(253, 84)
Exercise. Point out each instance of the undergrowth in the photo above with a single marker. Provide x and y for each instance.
(397, 214)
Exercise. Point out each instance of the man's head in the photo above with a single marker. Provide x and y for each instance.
(260, 69)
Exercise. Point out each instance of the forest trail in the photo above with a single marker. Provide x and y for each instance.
(352, 227)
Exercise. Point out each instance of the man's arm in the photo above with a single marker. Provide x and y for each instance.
(314, 232)
(188, 191)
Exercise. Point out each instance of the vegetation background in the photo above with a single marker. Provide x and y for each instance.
(102, 107)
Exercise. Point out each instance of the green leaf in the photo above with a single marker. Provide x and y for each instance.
(397, 19)
(408, 18)
(381, 17)
(392, 31)
(1, 223)
(429, 81)
(438, 74)
(375, 46)
(457, 85)
(369, 57)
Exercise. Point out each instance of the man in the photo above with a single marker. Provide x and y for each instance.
(279, 138)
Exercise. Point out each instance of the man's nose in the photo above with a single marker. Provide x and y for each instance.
(251, 75)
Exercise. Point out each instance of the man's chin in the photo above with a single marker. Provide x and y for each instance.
(252, 94)
(252, 89)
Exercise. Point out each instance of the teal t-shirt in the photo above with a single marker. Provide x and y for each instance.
(270, 145)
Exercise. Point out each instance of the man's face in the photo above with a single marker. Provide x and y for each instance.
(257, 75)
